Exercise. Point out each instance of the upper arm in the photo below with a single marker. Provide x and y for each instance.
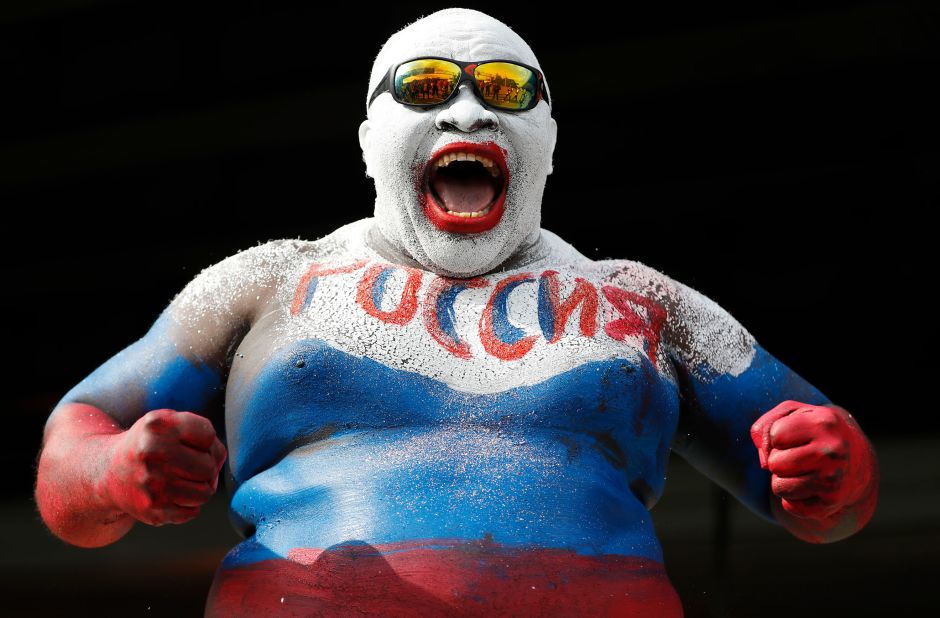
(726, 382)
(152, 373)
(182, 361)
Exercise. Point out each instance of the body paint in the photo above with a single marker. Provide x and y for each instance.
(371, 292)
(444, 577)
(438, 313)
(825, 472)
(631, 323)
(384, 435)
(499, 336)
(554, 313)
(308, 283)
(398, 142)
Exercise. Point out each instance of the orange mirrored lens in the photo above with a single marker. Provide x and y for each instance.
(426, 82)
(506, 85)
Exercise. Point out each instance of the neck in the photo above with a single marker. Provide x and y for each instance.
(534, 248)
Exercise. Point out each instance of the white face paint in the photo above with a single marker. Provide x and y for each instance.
(398, 141)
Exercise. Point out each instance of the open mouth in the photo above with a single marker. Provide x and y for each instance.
(465, 187)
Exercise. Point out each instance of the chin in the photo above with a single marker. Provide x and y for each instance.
(465, 255)
(460, 257)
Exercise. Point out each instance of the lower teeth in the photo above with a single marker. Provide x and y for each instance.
(469, 215)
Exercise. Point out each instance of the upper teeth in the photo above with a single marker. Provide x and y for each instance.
(468, 156)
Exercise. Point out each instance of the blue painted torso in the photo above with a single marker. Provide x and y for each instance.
(345, 448)
(534, 407)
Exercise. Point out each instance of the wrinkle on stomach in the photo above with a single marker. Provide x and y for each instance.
(447, 482)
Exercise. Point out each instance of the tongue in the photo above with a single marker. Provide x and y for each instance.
(464, 194)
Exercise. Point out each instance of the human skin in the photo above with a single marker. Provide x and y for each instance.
(825, 475)
(422, 421)
(158, 471)
(397, 141)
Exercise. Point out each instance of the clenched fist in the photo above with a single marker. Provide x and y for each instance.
(820, 461)
(164, 468)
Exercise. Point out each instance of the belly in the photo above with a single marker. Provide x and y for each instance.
(453, 481)
(341, 460)
(455, 519)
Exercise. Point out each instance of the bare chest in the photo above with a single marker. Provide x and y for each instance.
(361, 344)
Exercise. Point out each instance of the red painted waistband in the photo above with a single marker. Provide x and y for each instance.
(444, 578)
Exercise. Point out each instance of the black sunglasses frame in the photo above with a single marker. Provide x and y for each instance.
(387, 84)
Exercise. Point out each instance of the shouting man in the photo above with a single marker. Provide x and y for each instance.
(444, 409)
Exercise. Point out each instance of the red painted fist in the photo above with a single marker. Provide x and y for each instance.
(165, 467)
(819, 458)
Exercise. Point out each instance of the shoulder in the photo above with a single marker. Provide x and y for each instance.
(236, 284)
(240, 271)
(556, 250)
(699, 333)
(627, 273)
(634, 275)
(265, 264)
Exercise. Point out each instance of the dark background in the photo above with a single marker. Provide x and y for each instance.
(782, 158)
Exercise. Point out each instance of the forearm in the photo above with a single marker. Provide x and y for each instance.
(70, 483)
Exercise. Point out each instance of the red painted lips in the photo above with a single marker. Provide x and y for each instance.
(464, 186)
